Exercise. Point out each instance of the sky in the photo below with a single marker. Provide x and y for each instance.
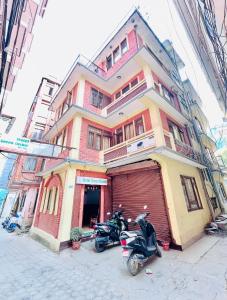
(71, 27)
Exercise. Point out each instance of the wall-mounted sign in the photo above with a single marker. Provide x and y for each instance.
(144, 143)
(91, 180)
(13, 143)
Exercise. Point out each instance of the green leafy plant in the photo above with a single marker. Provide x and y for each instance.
(76, 234)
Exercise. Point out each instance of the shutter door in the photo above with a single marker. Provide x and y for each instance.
(134, 190)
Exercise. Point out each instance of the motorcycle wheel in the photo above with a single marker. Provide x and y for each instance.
(133, 265)
(158, 252)
(99, 247)
(10, 230)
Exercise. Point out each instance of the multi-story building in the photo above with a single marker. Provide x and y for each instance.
(17, 21)
(126, 116)
(199, 18)
(24, 184)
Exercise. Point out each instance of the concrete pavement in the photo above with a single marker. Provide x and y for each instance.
(30, 271)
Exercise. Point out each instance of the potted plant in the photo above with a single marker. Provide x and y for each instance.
(75, 236)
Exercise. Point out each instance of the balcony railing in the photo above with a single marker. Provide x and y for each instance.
(91, 66)
(188, 151)
(142, 86)
(130, 147)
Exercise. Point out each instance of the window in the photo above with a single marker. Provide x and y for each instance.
(118, 94)
(30, 164)
(116, 54)
(35, 202)
(106, 142)
(139, 128)
(119, 135)
(198, 124)
(61, 138)
(37, 134)
(125, 89)
(129, 86)
(51, 89)
(134, 82)
(94, 138)
(55, 199)
(22, 201)
(214, 203)
(109, 62)
(96, 98)
(42, 164)
(49, 200)
(205, 174)
(222, 191)
(169, 96)
(129, 131)
(191, 193)
(124, 46)
(177, 132)
(184, 103)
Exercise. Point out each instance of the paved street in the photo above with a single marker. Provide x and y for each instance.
(30, 271)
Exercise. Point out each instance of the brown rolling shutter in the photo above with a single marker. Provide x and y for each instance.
(134, 190)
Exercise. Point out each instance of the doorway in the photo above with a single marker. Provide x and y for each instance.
(91, 211)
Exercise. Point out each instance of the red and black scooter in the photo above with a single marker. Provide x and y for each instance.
(138, 246)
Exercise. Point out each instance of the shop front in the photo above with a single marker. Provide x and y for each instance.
(91, 199)
(139, 184)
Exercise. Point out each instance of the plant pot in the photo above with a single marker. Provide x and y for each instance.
(75, 245)
(165, 246)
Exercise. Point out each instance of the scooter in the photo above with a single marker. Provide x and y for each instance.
(138, 246)
(108, 233)
(13, 223)
(5, 223)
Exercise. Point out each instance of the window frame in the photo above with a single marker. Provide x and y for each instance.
(97, 133)
(121, 93)
(109, 62)
(116, 54)
(25, 169)
(121, 47)
(140, 119)
(188, 200)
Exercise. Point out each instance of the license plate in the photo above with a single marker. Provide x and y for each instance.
(125, 253)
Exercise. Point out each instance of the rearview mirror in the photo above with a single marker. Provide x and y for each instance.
(145, 207)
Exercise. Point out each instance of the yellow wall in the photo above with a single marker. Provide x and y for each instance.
(186, 226)
(67, 205)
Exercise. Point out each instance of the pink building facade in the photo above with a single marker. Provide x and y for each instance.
(24, 183)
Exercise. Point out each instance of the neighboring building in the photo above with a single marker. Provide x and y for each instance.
(126, 116)
(24, 184)
(17, 21)
(213, 175)
(192, 20)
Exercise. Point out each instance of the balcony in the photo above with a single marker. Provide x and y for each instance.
(140, 147)
(137, 90)
(129, 148)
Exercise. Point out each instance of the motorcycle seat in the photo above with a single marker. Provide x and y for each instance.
(133, 233)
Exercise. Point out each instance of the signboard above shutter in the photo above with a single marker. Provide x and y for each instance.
(91, 180)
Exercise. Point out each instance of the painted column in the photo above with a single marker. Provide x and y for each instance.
(157, 126)
(80, 92)
(75, 141)
(67, 205)
(102, 203)
(148, 76)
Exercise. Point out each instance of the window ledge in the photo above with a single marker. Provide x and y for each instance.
(25, 171)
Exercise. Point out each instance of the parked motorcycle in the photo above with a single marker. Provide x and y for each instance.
(6, 222)
(11, 223)
(108, 233)
(138, 246)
